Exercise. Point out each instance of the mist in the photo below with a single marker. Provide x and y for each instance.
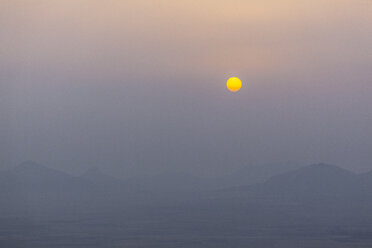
(118, 86)
(115, 109)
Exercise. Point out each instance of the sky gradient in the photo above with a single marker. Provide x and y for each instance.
(139, 86)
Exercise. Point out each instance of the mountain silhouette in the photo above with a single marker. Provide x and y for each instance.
(37, 174)
(256, 174)
(170, 182)
(313, 181)
(38, 189)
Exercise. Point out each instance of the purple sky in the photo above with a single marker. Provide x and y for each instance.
(139, 86)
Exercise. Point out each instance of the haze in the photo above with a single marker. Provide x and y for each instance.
(138, 87)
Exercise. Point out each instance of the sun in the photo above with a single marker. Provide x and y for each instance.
(234, 84)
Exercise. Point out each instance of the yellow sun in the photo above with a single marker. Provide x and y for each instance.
(234, 84)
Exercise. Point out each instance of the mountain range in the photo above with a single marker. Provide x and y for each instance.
(36, 188)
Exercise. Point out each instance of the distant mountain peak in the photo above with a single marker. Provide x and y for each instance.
(31, 171)
(316, 179)
(323, 168)
(30, 165)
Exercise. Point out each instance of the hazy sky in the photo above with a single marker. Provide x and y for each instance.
(139, 86)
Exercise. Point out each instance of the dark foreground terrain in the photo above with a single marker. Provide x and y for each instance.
(314, 206)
